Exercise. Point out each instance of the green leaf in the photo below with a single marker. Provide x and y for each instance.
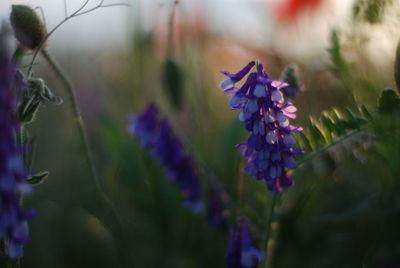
(304, 142)
(353, 121)
(28, 109)
(316, 134)
(366, 112)
(38, 178)
(338, 122)
(340, 66)
(328, 127)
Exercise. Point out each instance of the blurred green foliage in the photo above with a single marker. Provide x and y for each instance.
(371, 11)
(342, 212)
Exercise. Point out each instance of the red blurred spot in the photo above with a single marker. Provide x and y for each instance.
(292, 8)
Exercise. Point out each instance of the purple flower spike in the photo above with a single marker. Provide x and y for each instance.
(13, 220)
(241, 253)
(157, 136)
(270, 147)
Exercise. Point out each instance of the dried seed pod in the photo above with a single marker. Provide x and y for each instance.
(28, 28)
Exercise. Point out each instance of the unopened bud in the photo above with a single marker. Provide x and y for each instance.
(28, 28)
(290, 75)
(173, 82)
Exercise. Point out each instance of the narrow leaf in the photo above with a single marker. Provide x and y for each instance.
(38, 178)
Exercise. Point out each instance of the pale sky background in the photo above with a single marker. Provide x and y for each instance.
(112, 26)
(247, 20)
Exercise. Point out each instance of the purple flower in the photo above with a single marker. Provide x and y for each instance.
(270, 146)
(233, 78)
(157, 135)
(13, 220)
(144, 126)
(241, 253)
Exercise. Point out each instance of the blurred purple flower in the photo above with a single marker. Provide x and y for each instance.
(241, 253)
(270, 147)
(13, 220)
(157, 135)
(145, 125)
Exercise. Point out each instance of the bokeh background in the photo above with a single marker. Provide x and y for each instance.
(344, 210)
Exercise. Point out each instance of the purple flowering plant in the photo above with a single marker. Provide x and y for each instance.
(157, 136)
(270, 148)
(13, 219)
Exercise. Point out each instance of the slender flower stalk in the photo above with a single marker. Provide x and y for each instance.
(157, 136)
(14, 231)
(81, 130)
(270, 147)
(268, 231)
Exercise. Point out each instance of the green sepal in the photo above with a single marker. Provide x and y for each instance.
(28, 109)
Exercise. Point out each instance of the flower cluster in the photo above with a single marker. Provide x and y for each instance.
(13, 220)
(270, 146)
(157, 135)
(241, 253)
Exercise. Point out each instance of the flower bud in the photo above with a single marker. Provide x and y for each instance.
(28, 28)
(173, 82)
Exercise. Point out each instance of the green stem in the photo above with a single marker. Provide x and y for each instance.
(269, 223)
(81, 129)
(170, 38)
(326, 147)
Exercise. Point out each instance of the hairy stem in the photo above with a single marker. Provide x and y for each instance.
(81, 129)
(269, 223)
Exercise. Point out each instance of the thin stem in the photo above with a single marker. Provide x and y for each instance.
(171, 22)
(325, 148)
(81, 129)
(269, 223)
(65, 8)
(76, 13)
